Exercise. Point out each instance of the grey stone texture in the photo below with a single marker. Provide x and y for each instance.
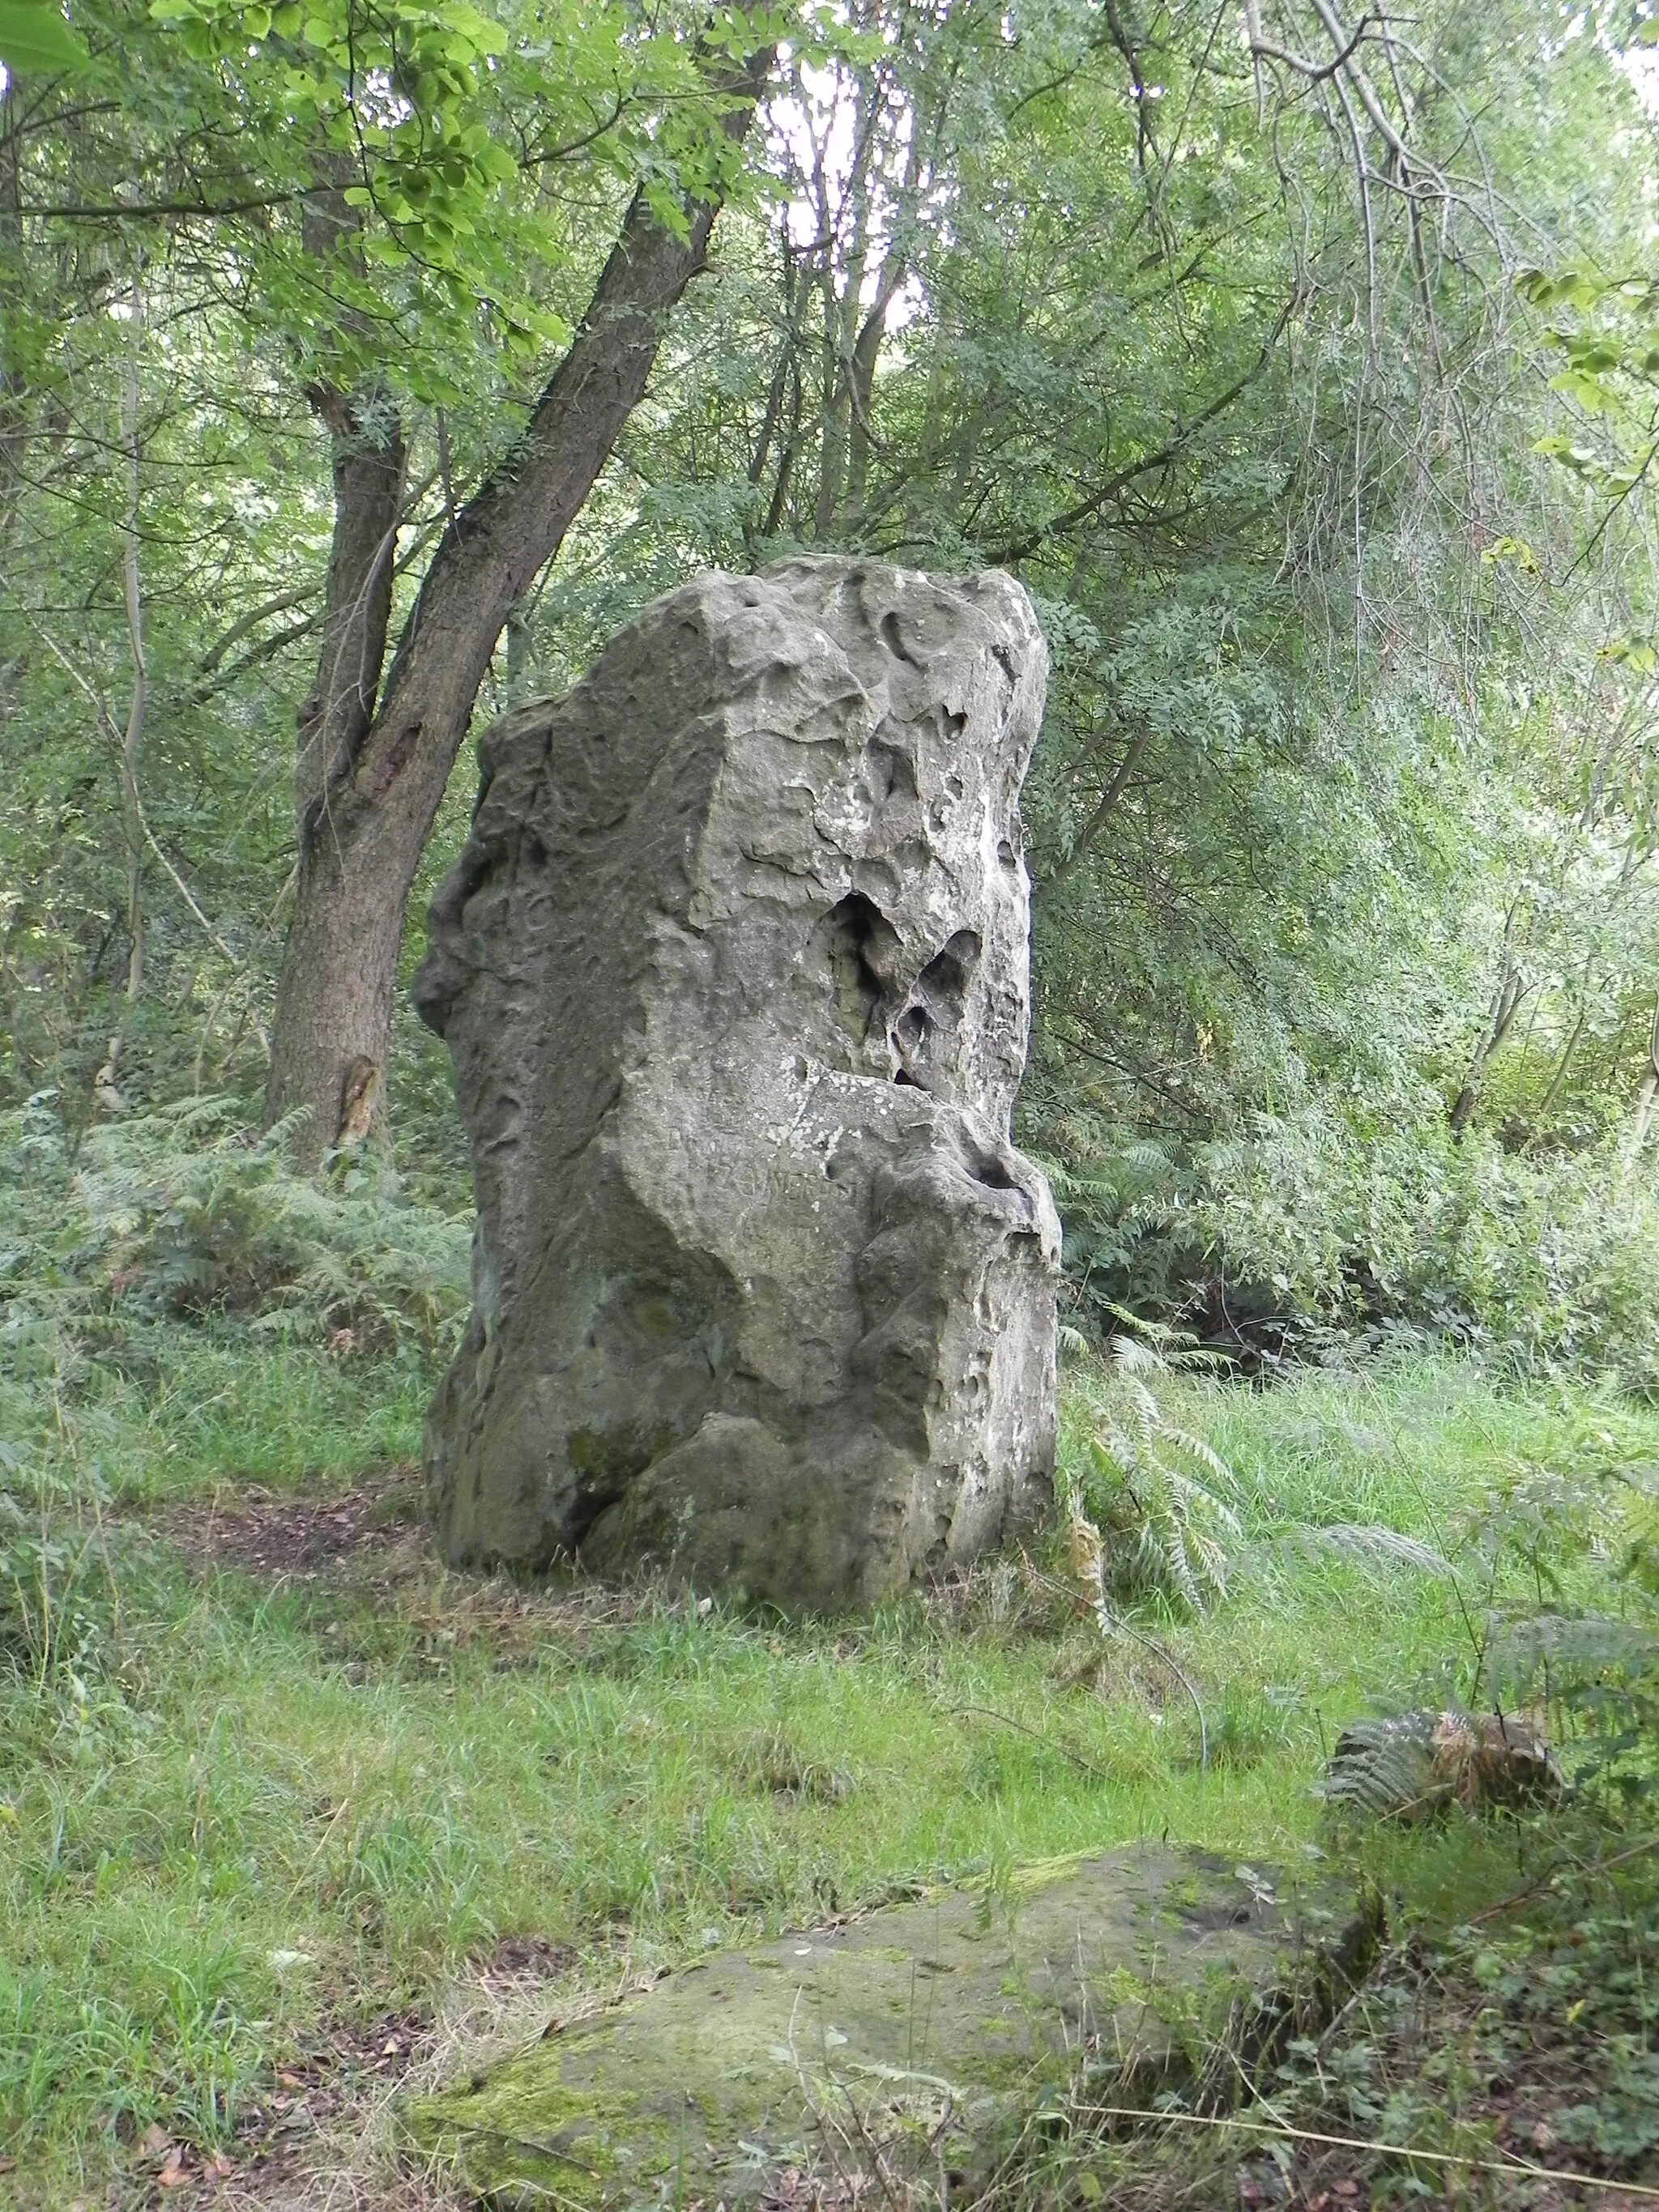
(924, 2034)
(733, 970)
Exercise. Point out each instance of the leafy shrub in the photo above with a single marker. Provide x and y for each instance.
(1302, 1229)
(1124, 1200)
(182, 1214)
(151, 1243)
(1585, 1643)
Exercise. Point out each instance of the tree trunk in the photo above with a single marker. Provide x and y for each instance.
(366, 822)
(14, 385)
(105, 1084)
(866, 348)
(329, 1040)
(368, 457)
(133, 737)
(1512, 992)
(1647, 1097)
(334, 1000)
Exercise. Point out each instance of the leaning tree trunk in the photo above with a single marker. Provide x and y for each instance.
(1647, 1097)
(362, 832)
(1512, 992)
(334, 1000)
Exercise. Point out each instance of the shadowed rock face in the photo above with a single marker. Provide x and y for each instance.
(733, 973)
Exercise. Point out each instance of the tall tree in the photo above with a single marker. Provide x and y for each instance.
(374, 758)
(397, 199)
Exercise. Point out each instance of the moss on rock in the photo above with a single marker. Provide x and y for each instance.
(947, 2010)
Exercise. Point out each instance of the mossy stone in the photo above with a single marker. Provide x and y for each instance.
(981, 1996)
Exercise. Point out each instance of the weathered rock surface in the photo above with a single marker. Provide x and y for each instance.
(941, 2020)
(733, 972)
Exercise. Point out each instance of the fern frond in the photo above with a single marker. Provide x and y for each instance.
(1404, 1767)
(1520, 1653)
(1385, 1769)
(1132, 1358)
(1367, 1542)
(1219, 1477)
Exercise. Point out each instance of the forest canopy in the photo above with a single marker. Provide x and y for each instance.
(362, 366)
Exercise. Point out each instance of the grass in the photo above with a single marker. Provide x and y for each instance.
(243, 1810)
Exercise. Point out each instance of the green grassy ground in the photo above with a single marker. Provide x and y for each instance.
(244, 1804)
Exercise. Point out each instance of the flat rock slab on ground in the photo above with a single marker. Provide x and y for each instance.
(928, 2021)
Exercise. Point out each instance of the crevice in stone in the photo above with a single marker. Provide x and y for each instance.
(893, 638)
(895, 772)
(859, 944)
(945, 978)
(924, 1034)
(911, 1027)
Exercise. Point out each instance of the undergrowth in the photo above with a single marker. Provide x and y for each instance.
(245, 1808)
(165, 1287)
(1500, 2044)
(253, 1806)
(1305, 1231)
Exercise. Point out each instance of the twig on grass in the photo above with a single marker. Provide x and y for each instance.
(1111, 1623)
(322, 1841)
(1082, 1765)
(1535, 1889)
(1522, 2168)
(1120, 1627)
(1334, 2025)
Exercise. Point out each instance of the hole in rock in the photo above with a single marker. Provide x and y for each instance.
(943, 981)
(911, 1027)
(922, 1038)
(859, 944)
(987, 1169)
(603, 1462)
(892, 772)
(893, 638)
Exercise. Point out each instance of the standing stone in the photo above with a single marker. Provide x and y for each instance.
(733, 972)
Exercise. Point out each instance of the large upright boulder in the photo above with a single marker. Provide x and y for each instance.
(733, 972)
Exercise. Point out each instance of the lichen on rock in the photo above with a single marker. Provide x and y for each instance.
(952, 2011)
(733, 969)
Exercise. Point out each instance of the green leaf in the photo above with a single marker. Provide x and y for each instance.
(33, 35)
(1588, 392)
(1512, 549)
(1593, 356)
